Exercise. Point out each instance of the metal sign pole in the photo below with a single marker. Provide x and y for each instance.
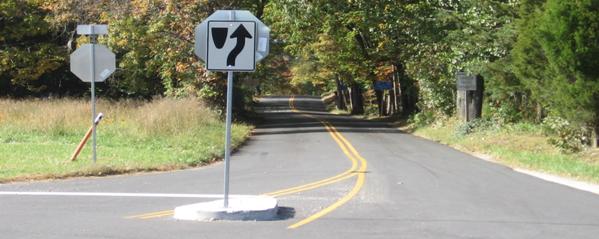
(93, 92)
(228, 134)
(228, 45)
(85, 66)
(228, 127)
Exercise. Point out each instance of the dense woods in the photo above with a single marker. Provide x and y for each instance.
(539, 58)
(153, 41)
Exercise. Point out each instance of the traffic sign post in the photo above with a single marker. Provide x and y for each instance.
(231, 40)
(93, 63)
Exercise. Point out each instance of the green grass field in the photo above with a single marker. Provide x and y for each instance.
(37, 137)
(519, 145)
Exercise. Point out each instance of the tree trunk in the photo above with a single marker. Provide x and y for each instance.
(539, 117)
(357, 99)
(346, 97)
(379, 101)
(339, 95)
(391, 103)
(238, 100)
(395, 91)
(391, 100)
(408, 92)
(351, 101)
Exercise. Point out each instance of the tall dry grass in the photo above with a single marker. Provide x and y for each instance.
(162, 116)
(37, 137)
(44, 115)
(172, 116)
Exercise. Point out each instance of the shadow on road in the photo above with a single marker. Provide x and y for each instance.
(277, 111)
(285, 213)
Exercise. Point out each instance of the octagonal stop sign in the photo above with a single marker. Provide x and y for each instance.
(104, 62)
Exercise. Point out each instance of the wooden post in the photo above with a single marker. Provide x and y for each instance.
(476, 100)
(461, 103)
(86, 137)
(469, 100)
(81, 144)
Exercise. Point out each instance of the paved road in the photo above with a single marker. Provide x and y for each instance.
(345, 178)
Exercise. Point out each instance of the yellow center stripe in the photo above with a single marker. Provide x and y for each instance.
(327, 181)
(348, 149)
(152, 215)
(344, 144)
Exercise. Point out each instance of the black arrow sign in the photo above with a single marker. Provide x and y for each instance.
(241, 34)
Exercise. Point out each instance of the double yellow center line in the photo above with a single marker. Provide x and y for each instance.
(339, 177)
(358, 168)
(351, 153)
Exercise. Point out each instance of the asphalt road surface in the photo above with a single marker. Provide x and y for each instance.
(334, 177)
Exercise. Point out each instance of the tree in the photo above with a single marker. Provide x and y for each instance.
(528, 59)
(569, 36)
(153, 41)
(29, 51)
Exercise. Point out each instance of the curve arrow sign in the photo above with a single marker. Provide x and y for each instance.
(241, 34)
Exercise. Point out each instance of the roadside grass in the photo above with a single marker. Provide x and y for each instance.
(519, 145)
(37, 137)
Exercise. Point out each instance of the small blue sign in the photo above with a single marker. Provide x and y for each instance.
(383, 85)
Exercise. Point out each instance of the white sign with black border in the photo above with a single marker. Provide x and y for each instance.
(231, 46)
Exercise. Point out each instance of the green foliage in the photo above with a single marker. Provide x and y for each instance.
(421, 119)
(447, 38)
(508, 99)
(153, 41)
(567, 137)
(429, 40)
(27, 50)
(570, 40)
(555, 57)
(537, 57)
(476, 125)
(327, 39)
(503, 112)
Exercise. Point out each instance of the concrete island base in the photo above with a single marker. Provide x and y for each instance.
(248, 208)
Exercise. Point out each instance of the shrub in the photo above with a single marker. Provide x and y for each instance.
(423, 118)
(505, 114)
(565, 136)
(475, 125)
